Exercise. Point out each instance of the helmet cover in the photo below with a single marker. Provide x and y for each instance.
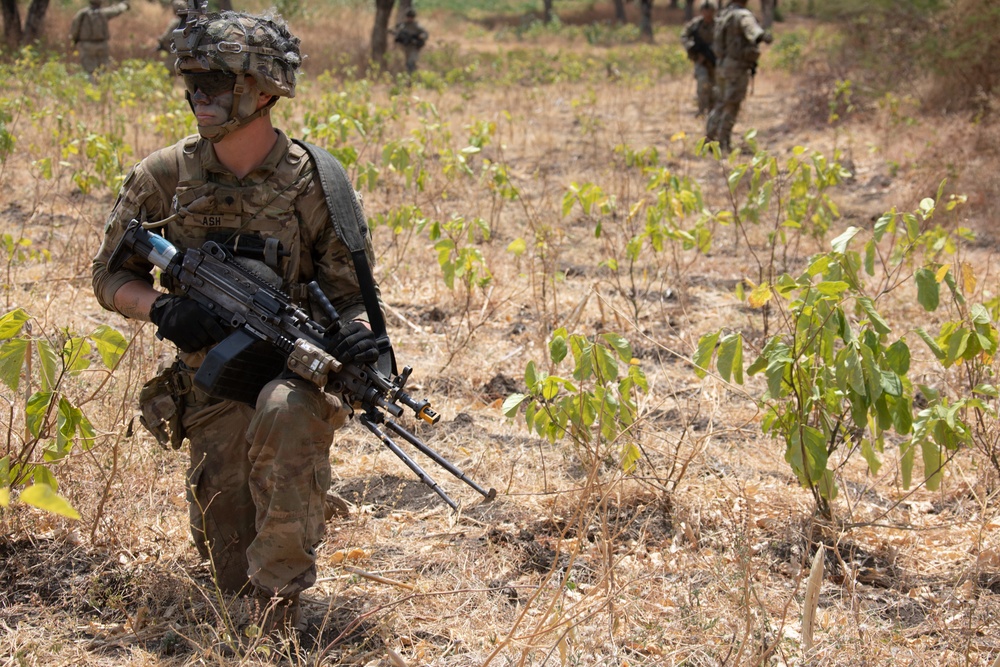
(241, 43)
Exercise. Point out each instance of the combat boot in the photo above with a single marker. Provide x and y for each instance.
(276, 615)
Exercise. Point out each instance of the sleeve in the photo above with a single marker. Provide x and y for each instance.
(74, 28)
(331, 258)
(140, 196)
(751, 29)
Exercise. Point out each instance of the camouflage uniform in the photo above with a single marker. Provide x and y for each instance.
(89, 33)
(704, 68)
(737, 36)
(412, 38)
(258, 476)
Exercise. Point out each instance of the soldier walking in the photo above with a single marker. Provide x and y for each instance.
(737, 50)
(410, 36)
(258, 474)
(697, 38)
(89, 33)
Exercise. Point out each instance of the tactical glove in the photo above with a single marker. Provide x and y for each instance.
(355, 342)
(185, 322)
(766, 37)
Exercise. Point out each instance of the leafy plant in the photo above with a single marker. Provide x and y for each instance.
(836, 376)
(595, 405)
(48, 419)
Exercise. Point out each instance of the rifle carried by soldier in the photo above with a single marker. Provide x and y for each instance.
(702, 48)
(271, 335)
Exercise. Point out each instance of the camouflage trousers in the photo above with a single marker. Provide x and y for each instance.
(731, 83)
(257, 482)
(704, 74)
(412, 53)
(92, 55)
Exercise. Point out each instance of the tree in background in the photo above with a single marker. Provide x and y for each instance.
(380, 31)
(34, 24)
(646, 21)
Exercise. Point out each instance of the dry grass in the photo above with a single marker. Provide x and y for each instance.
(569, 565)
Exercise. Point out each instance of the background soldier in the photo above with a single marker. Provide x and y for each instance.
(258, 474)
(89, 33)
(163, 43)
(697, 39)
(410, 36)
(737, 40)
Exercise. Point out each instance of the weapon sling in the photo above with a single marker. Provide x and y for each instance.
(338, 192)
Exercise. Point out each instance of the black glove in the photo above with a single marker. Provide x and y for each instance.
(185, 322)
(355, 342)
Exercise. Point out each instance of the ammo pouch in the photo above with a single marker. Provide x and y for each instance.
(161, 405)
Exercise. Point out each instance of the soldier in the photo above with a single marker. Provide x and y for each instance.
(89, 33)
(697, 39)
(737, 49)
(410, 36)
(258, 474)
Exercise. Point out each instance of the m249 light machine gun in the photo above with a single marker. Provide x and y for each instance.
(271, 334)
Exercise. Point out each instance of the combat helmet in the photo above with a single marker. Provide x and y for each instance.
(240, 44)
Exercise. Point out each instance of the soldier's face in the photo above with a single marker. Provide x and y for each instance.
(211, 95)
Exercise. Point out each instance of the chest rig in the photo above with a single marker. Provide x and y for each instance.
(260, 218)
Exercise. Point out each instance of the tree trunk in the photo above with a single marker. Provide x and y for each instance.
(673, 4)
(404, 5)
(547, 16)
(688, 10)
(767, 9)
(34, 24)
(620, 11)
(225, 5)
(646, 22)
(11, 23)
(380, 31)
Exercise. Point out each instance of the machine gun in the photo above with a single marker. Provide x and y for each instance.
(702, 47)
(270, 334)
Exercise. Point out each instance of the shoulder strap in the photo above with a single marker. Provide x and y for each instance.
(349, 222)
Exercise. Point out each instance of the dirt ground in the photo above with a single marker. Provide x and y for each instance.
(699, 558)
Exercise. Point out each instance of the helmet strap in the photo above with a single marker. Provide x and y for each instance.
(247, 94)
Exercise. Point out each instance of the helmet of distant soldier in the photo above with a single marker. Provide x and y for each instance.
(243, 44)
(707, 6)
(411, 13)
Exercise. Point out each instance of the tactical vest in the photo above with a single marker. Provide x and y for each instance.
(93, 27)
(207, 210)
(731, 45)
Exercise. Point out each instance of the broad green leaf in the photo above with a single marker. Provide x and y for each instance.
(531, 376)
(928, 289)
(512, 404)
(12, 323)
(876, 319)
(806, 454)
(890, 383)
(557, 349)
(550, 387)
(933, 462)
(986, 390)
(832, 287)
(4, 496)
(44, 498)
(111, 345)
(931, 343)
(606, 363)
(760, 295)
(871, 457)
(841, 242)
(884, 222)
(630, 457)
(12, 355)
(906, 463)
(827, 485)
(703, 355)
(74, 354)
(49, 361)
(870, 257)
(35, 410)
(897, 356)
(730, 361)
(620, 344)
(958, 340)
